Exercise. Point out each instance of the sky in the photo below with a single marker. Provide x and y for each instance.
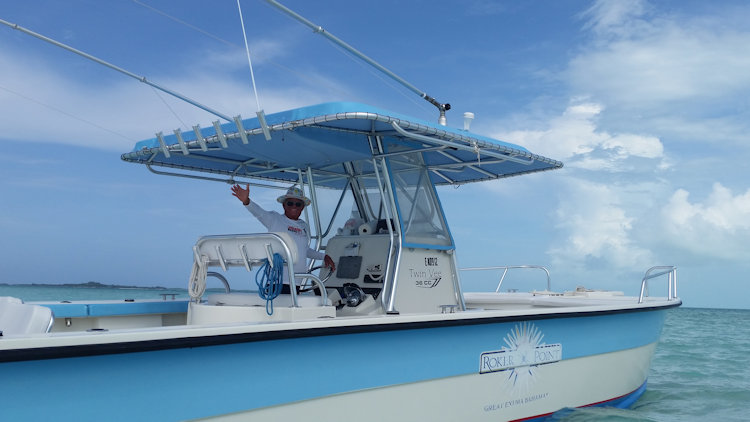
(646, 102)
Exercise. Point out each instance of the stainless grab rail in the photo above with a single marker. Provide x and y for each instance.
(505, 269)
(221, 278)
(671, 272)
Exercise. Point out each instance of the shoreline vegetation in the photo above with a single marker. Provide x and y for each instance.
(88, 285)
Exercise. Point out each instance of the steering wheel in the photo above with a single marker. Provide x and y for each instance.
(325, 272)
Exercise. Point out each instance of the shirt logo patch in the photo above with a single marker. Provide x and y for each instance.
(295, 230)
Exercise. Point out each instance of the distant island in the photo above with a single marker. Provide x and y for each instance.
(88, 285)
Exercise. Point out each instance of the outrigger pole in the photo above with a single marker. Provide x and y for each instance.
(319, 30)
(119, 69)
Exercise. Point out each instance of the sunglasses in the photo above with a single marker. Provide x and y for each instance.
(297, 204)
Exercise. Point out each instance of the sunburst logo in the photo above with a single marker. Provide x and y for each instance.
(521, 356)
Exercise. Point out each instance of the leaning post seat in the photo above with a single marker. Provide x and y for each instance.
(248, 251)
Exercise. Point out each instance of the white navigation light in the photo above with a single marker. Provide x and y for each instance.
(468, 117)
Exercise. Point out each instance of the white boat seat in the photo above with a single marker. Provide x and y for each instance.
(9, 299)
(243, 250)
(17, 317)
(248, 251)
(239, 250)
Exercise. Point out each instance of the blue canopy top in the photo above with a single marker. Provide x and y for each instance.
(323, 137)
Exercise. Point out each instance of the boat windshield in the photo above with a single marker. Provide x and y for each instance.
(421, 216)
(362, 195)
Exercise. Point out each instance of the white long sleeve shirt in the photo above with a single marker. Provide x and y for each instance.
(298, 229)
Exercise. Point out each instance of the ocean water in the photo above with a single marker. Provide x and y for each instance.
(31, 293)
(700, 372)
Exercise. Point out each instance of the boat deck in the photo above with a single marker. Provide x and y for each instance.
(102, 316)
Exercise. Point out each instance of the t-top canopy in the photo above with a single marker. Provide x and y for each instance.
(323, 137)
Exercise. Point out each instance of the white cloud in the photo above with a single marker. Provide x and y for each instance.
(719, 227)
(672, 65)
(262, 51)
(600, 218)
(607, 17)
(117, 112)
(647, 73)
(575, 138)
(594, 225)
(667, 72)
(628, 144)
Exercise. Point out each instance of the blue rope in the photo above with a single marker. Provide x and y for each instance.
(271, 280)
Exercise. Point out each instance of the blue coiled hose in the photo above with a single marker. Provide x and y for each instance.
(269, 279)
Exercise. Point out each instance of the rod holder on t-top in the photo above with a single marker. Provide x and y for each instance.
(319, 30)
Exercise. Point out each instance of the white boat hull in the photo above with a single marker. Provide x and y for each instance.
(478, 397)
(425, 367)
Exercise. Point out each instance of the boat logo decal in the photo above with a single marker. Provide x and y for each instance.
(429, 276)
(523, 348)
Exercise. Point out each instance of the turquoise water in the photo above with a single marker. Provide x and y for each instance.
(41, 293)
(700, 372)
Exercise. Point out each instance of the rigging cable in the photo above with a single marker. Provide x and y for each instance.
(51, 107)
(261, 115)
(247, 50)
(301, 75)
(117, 68)
(442, 108)
(204, 32)
(169, 107)
(378, 75)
